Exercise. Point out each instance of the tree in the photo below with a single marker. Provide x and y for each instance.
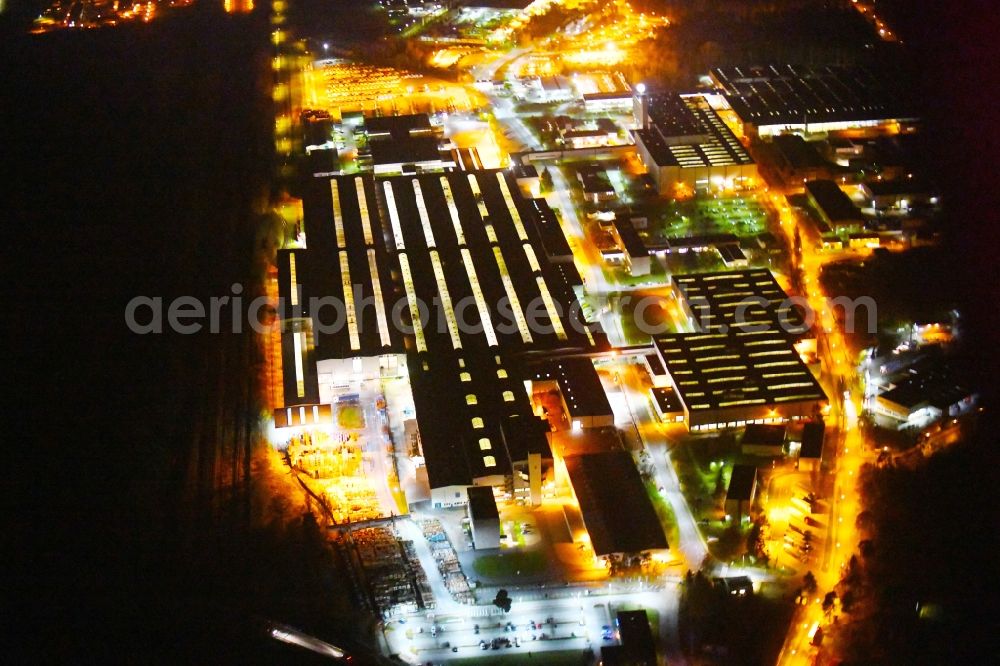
(757, 539)
(545, 180)
(809, 583)
(828, 602)
(502, 601)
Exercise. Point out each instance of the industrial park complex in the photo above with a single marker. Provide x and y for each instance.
(568, 332)
(452, 319)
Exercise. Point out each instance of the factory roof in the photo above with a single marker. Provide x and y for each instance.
(725, 300)
(741, 482)
(684, 131)
(616, 508)
(579, 384)
(831, 200)
(797, 94)
(739, 368)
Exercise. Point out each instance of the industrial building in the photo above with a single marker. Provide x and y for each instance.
(634, 253)
(741, 492)
(440, 279)
(584, 401)
(741, 367)
(811, 448)
(666, 404)
(779, 99)
(406, 144)
(797, 160)
(723, 301)
(763, 439)
(484, 518)
(835, 209)
(729, 380)
(637, 645)
(615, 506)
(683, 142)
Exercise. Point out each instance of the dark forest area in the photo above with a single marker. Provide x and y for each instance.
(137, 162)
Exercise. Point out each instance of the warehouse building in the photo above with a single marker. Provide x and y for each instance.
(616, 509)
(732, 379)
(779, 99)
(723, 301)
(484, 518)
(584, 400)
(834, 208)
(683, 142)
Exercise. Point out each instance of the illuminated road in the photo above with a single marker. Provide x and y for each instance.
(846, 445)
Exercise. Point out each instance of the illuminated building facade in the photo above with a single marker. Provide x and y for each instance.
(683, 142)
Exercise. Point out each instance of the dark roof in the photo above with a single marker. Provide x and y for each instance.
(637, 638)
(812, 440)
(741, 482)
(832, 201)
(760, 434)
(736, 369)
(898, 187)
(936, 387)
(398, 127)
(568, 273)
(727, 299)
(553, 239)
(666, 399)
(524, 170)
(579, 384)
(442, 374)
(792, 94)
(730, 252)
(405, 150)
(482, 503)
(358, 256)
(617, 94)
(655, 365)
(594, 180)
(454, 448)
(616, 508)
(631, 243)
(799, 153)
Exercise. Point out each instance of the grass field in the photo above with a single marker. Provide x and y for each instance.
(656, 318)
(511, 564)
(664, 512)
